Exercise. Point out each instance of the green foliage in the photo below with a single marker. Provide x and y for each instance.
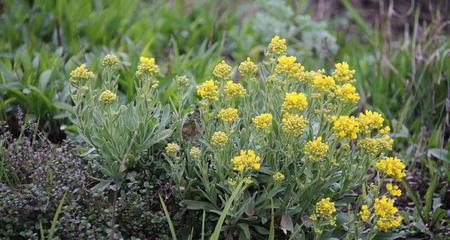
(308, 38)
(32, 205)
(409, 81)
(43, 41)
(119, 133)
(285, 179)
(218, 228)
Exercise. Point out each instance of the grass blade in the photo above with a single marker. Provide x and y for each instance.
(272, 222)
(52, 230)
(358, 19)
(203, 224)
(218, 228)
(169, 221)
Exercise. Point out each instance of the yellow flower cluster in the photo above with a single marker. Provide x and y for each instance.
(323, 83)
(278, 45)
(384, 130)
(247, 67)
(376, 145)
(347, 93)
(386, 212)
(246, 160)
(293, 124)
(232, 183)
(343, 73)
(228, 114)
(222, 70)
(208, 90)
(391, 166)
(325, 208)
(346, 126)
(107, 97)
(393, 190)
(294, 101)
(370, 120)
(195, 152)
(278, 177)
(172, 149)
(110, 61)
(247, 180)
(315, 150)
(272, 79)
(308, 76)
(147, 66)
(263, 121)
(364, 213)
(219, 138)
(234, 89)
(288, 66)
(81, 74)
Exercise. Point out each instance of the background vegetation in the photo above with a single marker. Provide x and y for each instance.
(399, 49)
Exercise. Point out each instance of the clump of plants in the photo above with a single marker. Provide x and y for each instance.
(120, 133)
(48, 188)
(283, 150)
(123, 138)
(35, 175)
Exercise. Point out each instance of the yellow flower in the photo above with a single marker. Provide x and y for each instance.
(107, 97)
(278, 45)
(391, 166)
(386, 223)
(247, 67)
(294, 101)
(324, 83)
(110, 60)
(234, 89)
(385, 210)
(81, 74)
(247, 160)
(222, 70)
(208, 90)
(370, 120)
(195, 152)
(272, 79)
(316, 150)
(288, 66)
(376, 145)
(325, 208)
(278, 177)
(345, 126)
(293, 124)
(384, 130)
(232, 183)
(364, 213)
(343, 73)
(309, 76)
(394, 190)
(316, 96)
(263, 121)
(219, 138)
(247, 180)
(172, 149)
(147, 66)
(228, 114)
(347, 93)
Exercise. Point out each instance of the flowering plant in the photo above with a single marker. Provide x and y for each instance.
(294, 139)
(119, 133)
